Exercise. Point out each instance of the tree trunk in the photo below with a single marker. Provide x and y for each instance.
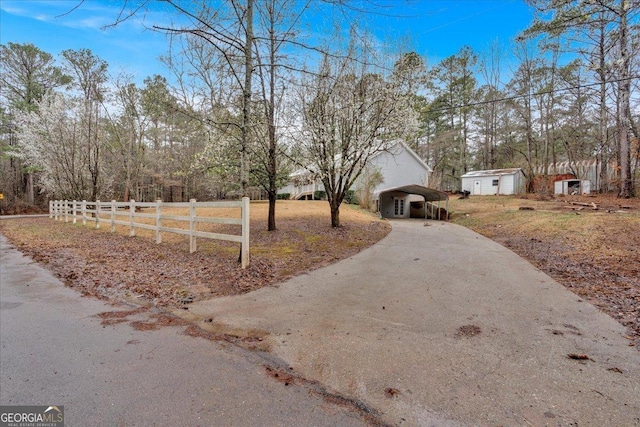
(30, 192)
(246, 99)
(271, 226)
(335, 214)
(602, 125)
(272, 160)
(624, 89)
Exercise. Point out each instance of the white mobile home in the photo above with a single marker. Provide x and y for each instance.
(495, 181)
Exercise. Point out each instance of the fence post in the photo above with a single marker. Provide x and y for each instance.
(50, 209)
(84, 212)
(158, 221)
(113, 215)
(66, 211)
(98, 209)
(245, 233)
(73, 212)
(132, 212)
(192, 223)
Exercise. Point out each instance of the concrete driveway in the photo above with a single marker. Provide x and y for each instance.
(437, 325)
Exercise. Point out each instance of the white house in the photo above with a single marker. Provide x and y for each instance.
(402, 192)
(495, 181)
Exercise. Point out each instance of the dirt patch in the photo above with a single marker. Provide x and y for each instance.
(246, 339)
(288, 377)
(120, 314)
(139, 325)
(112, 322)
(468, 331)
(391, 392)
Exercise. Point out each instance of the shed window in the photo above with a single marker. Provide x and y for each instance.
(495, 183)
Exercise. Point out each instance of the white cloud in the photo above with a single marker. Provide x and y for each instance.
(13, 10)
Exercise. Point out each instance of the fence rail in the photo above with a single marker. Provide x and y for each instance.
(96, 211)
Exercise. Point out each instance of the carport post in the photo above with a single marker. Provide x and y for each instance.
(425, 207)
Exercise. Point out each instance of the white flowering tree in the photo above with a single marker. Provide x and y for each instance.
(351, 114)
(50, 140)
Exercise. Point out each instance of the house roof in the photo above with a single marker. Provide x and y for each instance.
(413, 154)
(429, 194)
(311, 168)
(492, 172)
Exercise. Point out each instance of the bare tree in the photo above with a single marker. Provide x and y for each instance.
(610, 17)
(90, 77)
(453, 79)
(490, 68)
(127, 129)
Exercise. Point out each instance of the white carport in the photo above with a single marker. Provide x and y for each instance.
(404, 202)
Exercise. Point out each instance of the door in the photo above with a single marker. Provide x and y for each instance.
(477, 187)
(398, 207)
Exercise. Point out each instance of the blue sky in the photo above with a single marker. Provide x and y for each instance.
(434, 28)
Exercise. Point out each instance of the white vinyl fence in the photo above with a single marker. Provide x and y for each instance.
(109, 212)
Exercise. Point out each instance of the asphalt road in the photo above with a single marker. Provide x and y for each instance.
(55, 351)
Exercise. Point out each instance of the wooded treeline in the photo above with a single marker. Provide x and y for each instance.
(245, 97)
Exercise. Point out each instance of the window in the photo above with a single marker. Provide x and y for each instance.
(495, 183)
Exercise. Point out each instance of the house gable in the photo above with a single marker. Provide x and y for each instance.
(400, 166)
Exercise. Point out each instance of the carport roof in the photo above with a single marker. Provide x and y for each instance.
(429, 194)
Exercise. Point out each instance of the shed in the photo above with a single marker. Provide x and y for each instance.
(494, 181)
(572, 186)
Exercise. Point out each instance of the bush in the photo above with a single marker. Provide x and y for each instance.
(320, 195)
(283, 196)
(350, 197)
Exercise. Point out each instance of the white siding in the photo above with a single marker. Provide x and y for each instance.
(399, 168)
(506, 184)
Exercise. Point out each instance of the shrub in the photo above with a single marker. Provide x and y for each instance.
(283, 196)
(350, 197)
(320, 195)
